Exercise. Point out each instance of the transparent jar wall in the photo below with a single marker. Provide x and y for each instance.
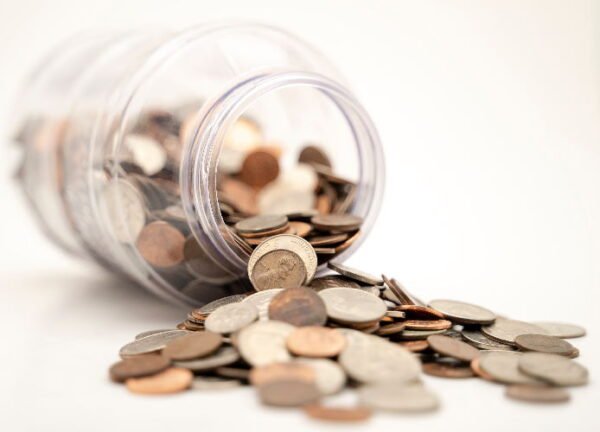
(174, 88)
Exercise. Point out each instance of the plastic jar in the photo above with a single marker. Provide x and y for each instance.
(87, 98)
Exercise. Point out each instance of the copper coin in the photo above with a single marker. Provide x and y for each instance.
(537, 393)
(419, 312)
(428, 324)
(447, 371)
(299, 307)
(452, 347)
(398, 291)
(355, 274)
(161, 244)
(239, 195)
(415, 346)
(337, 414)
(172, 380)
(302, 229)
(138, 366)
(259, 168)
(475, 366)
(545, 344)
(261, 223)
(193, 346)
(391, 329)
(200, 264)
(332, 281)
(278, 269)
(337, 222)
(288, 393)
(251, 238)
(328, 240)
(463, 313)
(282, 371)
(314, 155)
(314, 341)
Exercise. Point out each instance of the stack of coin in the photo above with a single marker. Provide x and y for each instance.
(300, 340)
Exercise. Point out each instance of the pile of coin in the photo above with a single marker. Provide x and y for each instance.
(300, 340)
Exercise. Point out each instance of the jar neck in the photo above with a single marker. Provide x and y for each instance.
(204, 144)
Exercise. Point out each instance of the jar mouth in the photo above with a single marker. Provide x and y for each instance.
(205, 143)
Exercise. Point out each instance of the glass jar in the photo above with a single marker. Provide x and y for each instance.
(95, 180)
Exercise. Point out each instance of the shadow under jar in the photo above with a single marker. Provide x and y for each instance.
(143, 150)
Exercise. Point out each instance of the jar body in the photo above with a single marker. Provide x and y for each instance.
(123, 131)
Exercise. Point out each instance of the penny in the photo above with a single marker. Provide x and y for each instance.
(415, 346)
(278, 269)
(561, 330)
(288, 393)
(150, 332)
(463, 313)
(337, 414)
(354, 274)
(302, 229)
(138, 366)
(282, 371)
(298, 306)
(264, 342)
(214, 305)
(314, 155)
(506, 330)
(476, 368)
(419, 312)
(259, 168)
(545, 344)
(224, 356)
(152, 343)
(330, 377)
(446, 371)
(316, 342)
(479, 340)
(394, 397)
(161, 244)
(427, 324)
(199, 344)
(328, 239)
(261, 301)
(231, 318)
(537, 393)
(336, 222)
(172, 380)
(503, 366)
(349, 305)
(552, 368)
(451, 347)
(332, 281)
(261, 223)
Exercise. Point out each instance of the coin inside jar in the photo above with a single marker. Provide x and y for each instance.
(337, 222)
(261, 223)
(161, 244)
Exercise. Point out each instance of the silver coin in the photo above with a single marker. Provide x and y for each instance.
(214, 383)
(330, 377)
(278, 198)
(561, 330)
(147, 153)
(506, 330)
(151, 332)
(214, 305)
(151, 343)
(419, 334)
(224, 356)
(124, 207)
(392, 396)
(463, 313)
(545, 344)
(261, 223)
(231, 318)
(503, 366)
(349, 305)
(479, 340)
(264, 342)
(355, 274)
(261, 301)
(552, 368)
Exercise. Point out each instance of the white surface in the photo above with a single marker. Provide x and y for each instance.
(490, 115)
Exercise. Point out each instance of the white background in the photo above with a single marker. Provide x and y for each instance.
(490, 116)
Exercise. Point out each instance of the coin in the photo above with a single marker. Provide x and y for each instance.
(259, 168)
(278, 269)
(201, 265)
(463, 313)
(391, 396)
(546, 344)
(287, 393)
(161, 244)
(277, 197)
(214, 305)
(553, 368)
(479, 340)
(475, 366)
(330, 377)
(355, 274)
(427, 324)
(561, 330)
(448, 371)
(332, 281)
(138, 366)
(146, 153)
(231, 318)
(336, 222)
(199, 344)
(349, 305)
(282, 371)
(337, 414)
(261, 223)
(503, 366)
(328, 240)
(537, 393)
(451, 347)
(391, 329)
(292, 243)
(298, 306)
(172, 380)
(316, 342)
(233, 372)
(415, 346)
(150, 332)
(124, 207)
(413, 335)
(314, 155)
(148, 344)
(506, 330)
(214, 383)
(261, 301)
(419, 312)
(302, 229)
(263, 342)
(224, 356)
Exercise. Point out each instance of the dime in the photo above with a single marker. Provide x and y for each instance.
(537, 393)
(451, 347)
(561, 330)
(226, 355)
(151, 343)
(337, 414)
(298, 306)
(282, 371)
(330, 377)
(150, 332)
(214, 305)
(288, 393)
(553, 368)
(263, 342)
(292, 243)
(161, 244)
(172, 380)
(337, 222)
(314, 155)
(506, 330)
(545, 344)
(391, 396)
(261, 223)
(349, 305)
(278, 269)
(463, 313)
(355, 274)
(199, 344)
(479, 340)
(231, 318)
(138, 366)
(259, 168)
(447, 371)
(316, 342)
(261, 301)
(503, 366)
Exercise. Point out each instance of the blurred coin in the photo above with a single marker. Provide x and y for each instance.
(147, 153)
(316, 342)
(412, 335)
(214, 305)
(330, 377)
(561, 330)
(150, 332)
(231, 318)
(393, 396)
(355, 274)
(243, 135)
(553, 368)
(337, 222)
(124, 207)
(292, 243)
(391, 329)
(427, 324)
(313, 154)
(415, 346)
(239, 195)
(263, 342)
(138, 366)
(302, 229)
(214, 383)
(349, 305)
(479, 340)
(282, 371)
(148, 344)
(546, 344)
(537, 393)
(506, 330)
(332, 281)
(261, 301)
(328, 240)
(419, 312)
(298, 306)
(161, 244)
(224, 356)
(199, 344)
(287, 393)
(451, 347)
(278, 269)
(443, 370)
(172, 380)
(276, 197)
(258, 224)
(463, 313)
(476, 368)
(201, 265)
(503, 366)
(259, 168)
(337, 414)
